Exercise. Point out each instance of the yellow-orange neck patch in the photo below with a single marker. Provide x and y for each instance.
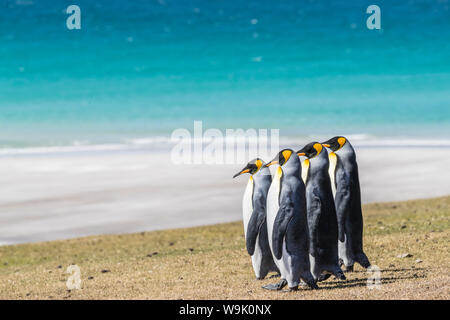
(279, 172)
(305, 170)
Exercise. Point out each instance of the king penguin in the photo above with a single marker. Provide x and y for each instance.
(254, 217)
(321, 213)
(286, 223)
(347, 197)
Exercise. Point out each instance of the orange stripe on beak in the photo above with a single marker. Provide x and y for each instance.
(271, 163)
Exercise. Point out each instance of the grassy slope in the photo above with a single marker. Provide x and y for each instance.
(211, 262)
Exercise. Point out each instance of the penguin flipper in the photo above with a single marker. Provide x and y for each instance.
(284, 216)
(343, 205)
(348, 204)
(315, 210)
(254, 225)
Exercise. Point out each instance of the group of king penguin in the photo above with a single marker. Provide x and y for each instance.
(304, 222)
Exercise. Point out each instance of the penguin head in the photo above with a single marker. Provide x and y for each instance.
(335, 143)
(311, 150)
(281, 158)
(252, 167)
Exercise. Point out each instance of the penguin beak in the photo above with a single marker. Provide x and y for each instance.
(327, 143)
(245, 170)
(301, 152)
(271, 163)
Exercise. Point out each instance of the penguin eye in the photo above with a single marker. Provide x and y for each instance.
(253, 168)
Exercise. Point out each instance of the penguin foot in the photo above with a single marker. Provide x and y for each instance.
(323, 277)
(291, 289)
(276, 286)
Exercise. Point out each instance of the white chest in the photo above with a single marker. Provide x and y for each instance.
(305, 170)
(247, 204)
(332, 171)
(273, 202)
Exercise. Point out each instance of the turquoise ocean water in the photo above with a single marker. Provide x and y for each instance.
(138, 70)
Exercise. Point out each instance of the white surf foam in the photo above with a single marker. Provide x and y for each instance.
(157, 143)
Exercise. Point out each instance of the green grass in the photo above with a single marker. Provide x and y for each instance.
(211, 262)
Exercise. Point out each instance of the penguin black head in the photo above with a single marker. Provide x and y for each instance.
(310, 150)
(335, 143)
(252, 167)
(281, 158)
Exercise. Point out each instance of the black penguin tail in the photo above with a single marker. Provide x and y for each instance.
(340, 275)
(323, 277)
(309, 280)
(362, 259)
(337, 272)
(313, 285)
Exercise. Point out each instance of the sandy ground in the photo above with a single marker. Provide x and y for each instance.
(62, 196)
(406, 242)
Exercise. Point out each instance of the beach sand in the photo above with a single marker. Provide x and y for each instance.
(48, 197)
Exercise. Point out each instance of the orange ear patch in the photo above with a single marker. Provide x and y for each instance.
(286, 154)
(341, 141)
(318, 148)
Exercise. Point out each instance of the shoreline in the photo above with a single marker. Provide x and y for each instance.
(64, 196)
(182, 227)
